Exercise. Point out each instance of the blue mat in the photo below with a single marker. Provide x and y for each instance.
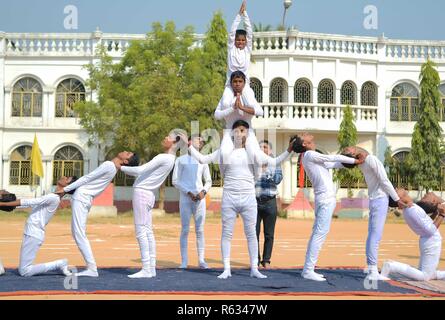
(193, 281)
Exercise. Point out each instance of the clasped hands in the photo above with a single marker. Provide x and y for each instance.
(196, 198)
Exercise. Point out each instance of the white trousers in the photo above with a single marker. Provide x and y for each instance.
(378, 210)
(187, 209)
(78, 229)
(143, 203)
(28, 253)
(322, 224)
(430, 251)
(246, 205)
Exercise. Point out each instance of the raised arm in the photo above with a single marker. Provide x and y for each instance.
(439, 219)
(249, 31)
(263, 159)
(95, 174)
(15, 203)
(137, 171)
(333, 165)
(235, 24)
(323, 158)
(210, 158)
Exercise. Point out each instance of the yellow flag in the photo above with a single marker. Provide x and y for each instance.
(36, 159)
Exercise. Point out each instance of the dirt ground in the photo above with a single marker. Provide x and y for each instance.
(114, 245)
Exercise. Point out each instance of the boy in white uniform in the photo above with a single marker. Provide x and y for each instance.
(240, 46)
(43, 209)
(150, 177)
(231, 106)
(316, 166)
(87, 188)
(234, 107)
(239, 194)
(187, 178)
(430, 241)
(379, 188)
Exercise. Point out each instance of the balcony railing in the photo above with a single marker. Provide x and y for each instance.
(302, 111)
(314, 116)
(275, 42)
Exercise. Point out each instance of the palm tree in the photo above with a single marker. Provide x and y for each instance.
(261, 28)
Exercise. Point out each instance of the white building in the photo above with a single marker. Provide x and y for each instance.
(303, 80)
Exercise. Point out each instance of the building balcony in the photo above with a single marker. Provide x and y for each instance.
(292, 42)
(314, 117)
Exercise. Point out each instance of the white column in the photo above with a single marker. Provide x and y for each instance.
(7, 107)
(6, 166)
(2, 77)
(266, 94)
(45, 107)
(51, 108)
(48, 169)
(337, 96)
(2, 100)
(383, 118)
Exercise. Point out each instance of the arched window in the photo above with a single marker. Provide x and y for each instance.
(20, 168)
(326, 92)
(369, 94)
(68, 93)
(257, 88)
(348, 94)
(405, 103)
(442, 98)
(278, 91)
(27, 98)
(68, 162)
(302, 91)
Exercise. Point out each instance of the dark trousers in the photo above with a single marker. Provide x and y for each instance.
(267, 212)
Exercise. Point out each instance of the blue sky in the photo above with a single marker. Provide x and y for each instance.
(398, 19)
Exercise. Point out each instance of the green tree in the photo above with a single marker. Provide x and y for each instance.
(390, 164)
(215, 45)
(425, 156)
(347, 137)
(162, 83)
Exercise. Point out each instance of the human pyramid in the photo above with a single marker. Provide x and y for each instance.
(239, 156)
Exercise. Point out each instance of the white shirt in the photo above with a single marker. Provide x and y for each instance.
(94, 183)
(239, 175)
(151, 175)
(188, 175)
(239, 60)
(225, 109)
(420, 222)
(317, 167)
(43, 209)
(376, 178)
